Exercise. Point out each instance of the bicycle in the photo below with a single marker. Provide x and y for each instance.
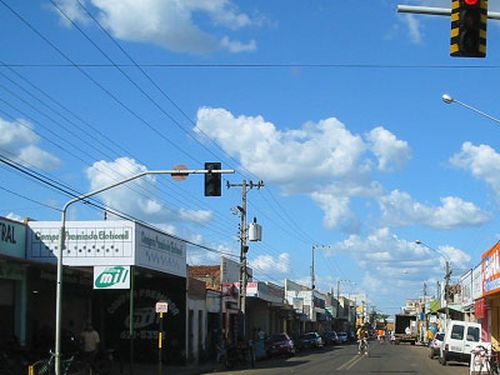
(485, 360)
(363, 347)
(69, 366)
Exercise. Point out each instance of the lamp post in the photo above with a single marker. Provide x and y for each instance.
(62, 241)
(450, 100)
(447, 268)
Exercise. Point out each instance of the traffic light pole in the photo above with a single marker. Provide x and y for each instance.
(62, 242)
(243, 246)
(433, 11)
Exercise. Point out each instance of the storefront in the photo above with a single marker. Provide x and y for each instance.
(152, 263)
(489, 307)
(13, 290)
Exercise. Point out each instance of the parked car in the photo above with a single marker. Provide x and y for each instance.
(310, 340)
(331, 338)
(280, 344)
(460, 339)
(435, 344)
(342, 337)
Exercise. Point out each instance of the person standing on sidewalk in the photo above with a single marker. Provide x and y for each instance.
(90, 342)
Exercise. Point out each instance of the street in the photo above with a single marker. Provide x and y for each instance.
(383, 359)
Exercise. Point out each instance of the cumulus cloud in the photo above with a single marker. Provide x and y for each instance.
(392, 153)
(389, 260)
(135, 197)
(297, 159)
(170, 24)
(400, 209)
(332, 166)
(19, 140)
(268, 263)
(482, 161)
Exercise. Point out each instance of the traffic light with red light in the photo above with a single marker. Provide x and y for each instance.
(213, 181)
(468, 28)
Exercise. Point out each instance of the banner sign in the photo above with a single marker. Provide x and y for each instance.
(12, 238)
(491, 270)
(114, 277)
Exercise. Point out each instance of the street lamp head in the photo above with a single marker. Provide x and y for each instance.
(447, 99)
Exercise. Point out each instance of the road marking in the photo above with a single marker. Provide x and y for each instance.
(350, 363)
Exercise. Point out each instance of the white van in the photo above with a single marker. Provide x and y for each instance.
(459, 340)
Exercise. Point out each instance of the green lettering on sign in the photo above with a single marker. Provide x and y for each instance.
(111, 276)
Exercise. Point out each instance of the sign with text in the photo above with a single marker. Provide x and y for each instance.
(113, 277)
(161, 307)
(12, 238)
(491, 270)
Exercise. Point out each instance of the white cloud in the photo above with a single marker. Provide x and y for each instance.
(196, 216)
(414, 28)
(19, 140)
(236, 46)
(72, 10)
(396, 266)
(267, 263)
(137, 197)
(482, 161)
(296, 159)
(170, 23)
(392, 153)
(327, 162)
(400, 209)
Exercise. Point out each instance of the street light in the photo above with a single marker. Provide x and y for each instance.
(62, 242)
(449, 100)
(447, 267)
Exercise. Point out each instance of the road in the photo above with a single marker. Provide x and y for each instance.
(383, 359)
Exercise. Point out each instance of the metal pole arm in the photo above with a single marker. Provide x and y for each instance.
(433, 11)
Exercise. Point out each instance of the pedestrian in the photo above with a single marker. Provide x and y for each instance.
(90, 342)
(261, 335)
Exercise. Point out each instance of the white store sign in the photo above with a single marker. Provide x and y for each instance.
(114, 277)
(107, 243)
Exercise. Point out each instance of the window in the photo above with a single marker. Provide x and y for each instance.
(457, 332)
(473, 334)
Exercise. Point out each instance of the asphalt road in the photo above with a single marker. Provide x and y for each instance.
(383, 359)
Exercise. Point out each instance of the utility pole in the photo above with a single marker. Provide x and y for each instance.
(447, 283)
(314, 247)
(243, 245)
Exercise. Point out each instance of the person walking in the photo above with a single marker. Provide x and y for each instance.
(90, 343)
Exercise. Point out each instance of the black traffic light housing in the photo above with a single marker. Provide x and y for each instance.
(213, 181)
(468, 28)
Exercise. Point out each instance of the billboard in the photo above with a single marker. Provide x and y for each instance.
(107, 243)
(491, 270)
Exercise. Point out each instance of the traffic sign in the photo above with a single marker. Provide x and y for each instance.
(161, 307)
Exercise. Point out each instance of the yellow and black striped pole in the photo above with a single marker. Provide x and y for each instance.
(468, 28)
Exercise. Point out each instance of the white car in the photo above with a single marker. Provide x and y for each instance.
(435, 344)
(459, 340)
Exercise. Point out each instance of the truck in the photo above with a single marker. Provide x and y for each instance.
(405, 329)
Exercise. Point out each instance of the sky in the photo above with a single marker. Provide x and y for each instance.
(336, 106)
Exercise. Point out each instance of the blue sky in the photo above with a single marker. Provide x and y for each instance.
(334, 105)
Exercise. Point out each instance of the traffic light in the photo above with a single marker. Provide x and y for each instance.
(213, 181)
(468, 28)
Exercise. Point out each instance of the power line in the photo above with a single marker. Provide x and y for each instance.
(258, 65)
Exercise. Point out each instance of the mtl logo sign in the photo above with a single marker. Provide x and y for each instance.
(114, 277)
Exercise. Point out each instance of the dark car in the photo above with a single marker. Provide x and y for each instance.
(343, 338)
(435, 344)
(280, 344)
(310, 340)
(331, 338)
